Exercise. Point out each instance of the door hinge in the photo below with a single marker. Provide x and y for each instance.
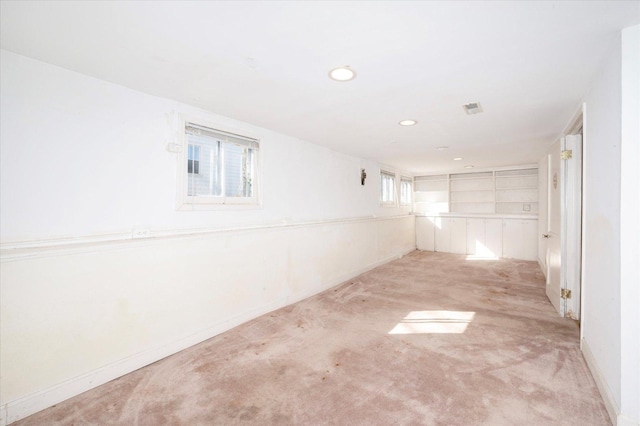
(567, 154)
(565, 294)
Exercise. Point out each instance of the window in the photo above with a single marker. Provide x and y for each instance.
(221, 167)
(387, 188)
(406, 189)
(193, 161)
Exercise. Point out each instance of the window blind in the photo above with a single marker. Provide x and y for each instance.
(194, 129)
(406, 185)
(387, 187)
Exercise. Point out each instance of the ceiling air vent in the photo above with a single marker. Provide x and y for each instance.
(472, 108)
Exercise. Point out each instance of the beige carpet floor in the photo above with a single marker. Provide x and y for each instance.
(429, 339)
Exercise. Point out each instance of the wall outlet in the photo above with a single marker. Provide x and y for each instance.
(526, 207)
(141, 233)
(174, 147)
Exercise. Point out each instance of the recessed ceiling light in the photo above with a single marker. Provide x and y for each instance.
(470, 166)
(342, 73)
(442, 148)
(408, 123)
(457, 159)
(251, 63)
(472, 108)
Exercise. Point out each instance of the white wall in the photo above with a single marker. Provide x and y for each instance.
(610, 284)
(92, 154)
(601, 282)
(630, 227)
(83, 158)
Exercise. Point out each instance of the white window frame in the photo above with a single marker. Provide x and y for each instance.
(394, 193)
(404, 180)
(185, 202)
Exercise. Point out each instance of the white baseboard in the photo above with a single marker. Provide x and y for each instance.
(626, 421)
(30, 404)
(605, 392)
(542, 267)
(38, 401)
(350, 275)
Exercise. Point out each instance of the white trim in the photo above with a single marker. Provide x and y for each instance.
(350, 275)
(583, 254)
(480, 215)
(626, 421)
(474, 170)
(30, 404)
(30, 249)
(576, 123)
(605, 392)
(542, 266)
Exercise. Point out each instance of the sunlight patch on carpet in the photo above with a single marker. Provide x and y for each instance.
(482, 252)
(434, 322)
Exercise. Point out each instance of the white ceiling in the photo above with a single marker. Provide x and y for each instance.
(527, 63)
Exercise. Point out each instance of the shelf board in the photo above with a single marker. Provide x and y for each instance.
(473, 190)
(516, 188)
(518, 202)
(473, 178)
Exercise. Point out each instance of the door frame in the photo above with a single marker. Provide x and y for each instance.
(554, 233)
(571, 229)
(576, 125)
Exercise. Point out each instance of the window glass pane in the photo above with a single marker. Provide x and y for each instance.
(238, 170)
(387, 192)
(405, 192)
(391, 182)
(193, 162)
(203, 166)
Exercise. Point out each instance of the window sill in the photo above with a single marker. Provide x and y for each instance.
(188, 207)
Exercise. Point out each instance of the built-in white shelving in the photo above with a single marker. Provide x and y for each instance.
(472, 192)
(517, 191)
(506, 191)
(431, 194)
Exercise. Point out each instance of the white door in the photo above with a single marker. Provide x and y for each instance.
(554, 223)
(572, 225)
(512, 230)
(451, 235)
(475, 237)
(564, 243)
(484, 238)
(543, 188)
(493, 237)
(425, 233)
(458, 235)
(443, 235)
(530, 239)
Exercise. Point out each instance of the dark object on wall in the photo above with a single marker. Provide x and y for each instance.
(363, 176)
